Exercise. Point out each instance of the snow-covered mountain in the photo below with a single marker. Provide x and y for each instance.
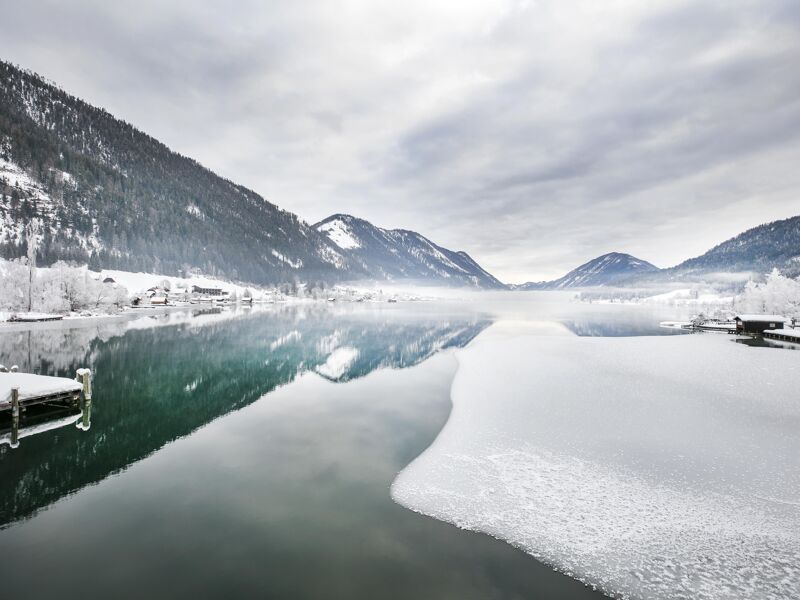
(609, 269)
(395, 254)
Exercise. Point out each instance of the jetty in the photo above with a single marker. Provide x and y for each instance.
(770, 327)
(22, 391)
(783, 335)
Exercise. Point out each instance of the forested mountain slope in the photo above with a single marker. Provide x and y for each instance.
(760, 249)
(107, 194)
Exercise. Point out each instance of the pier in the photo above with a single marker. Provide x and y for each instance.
(21, 391)
(783, 335)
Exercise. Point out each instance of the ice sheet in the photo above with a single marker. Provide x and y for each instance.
(661, 467)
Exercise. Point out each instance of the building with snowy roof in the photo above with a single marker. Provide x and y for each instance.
(759, 323)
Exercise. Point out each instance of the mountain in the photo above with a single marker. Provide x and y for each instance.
(107, 194)
(608, 269)
(401, 254)
(760, 249)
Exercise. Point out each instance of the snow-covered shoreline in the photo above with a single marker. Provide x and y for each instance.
(647, 467)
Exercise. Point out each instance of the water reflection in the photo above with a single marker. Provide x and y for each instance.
(43, 418)
(760, 342)
(623, 325)
(160, 378)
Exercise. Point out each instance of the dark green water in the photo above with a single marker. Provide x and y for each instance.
(220, 463)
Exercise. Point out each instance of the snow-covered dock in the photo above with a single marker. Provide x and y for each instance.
(783, 335)
(28, 389)
(19, 391)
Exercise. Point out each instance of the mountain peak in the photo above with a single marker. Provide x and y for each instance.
(606, 269)
(402, 254)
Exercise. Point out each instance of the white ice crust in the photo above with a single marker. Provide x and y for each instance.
(663, 467)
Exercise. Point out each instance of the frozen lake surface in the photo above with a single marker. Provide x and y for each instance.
(254, 453)
(650, 467)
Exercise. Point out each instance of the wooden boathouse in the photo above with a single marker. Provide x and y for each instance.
(758, 324)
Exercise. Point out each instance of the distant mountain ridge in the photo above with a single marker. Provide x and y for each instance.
(611, 268)
(395, 254)
(760, 249)
(757, 250)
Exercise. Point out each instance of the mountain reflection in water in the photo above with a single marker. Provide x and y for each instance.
(159, 379)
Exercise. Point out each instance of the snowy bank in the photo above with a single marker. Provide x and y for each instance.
(648, 467)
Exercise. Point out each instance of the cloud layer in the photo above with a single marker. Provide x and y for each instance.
(534, 135)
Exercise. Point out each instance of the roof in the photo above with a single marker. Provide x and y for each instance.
(762, 318)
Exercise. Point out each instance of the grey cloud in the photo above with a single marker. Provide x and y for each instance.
(533, 138)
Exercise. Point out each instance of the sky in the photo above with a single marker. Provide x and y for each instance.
(534, 135)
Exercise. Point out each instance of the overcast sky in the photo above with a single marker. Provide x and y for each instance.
(535, 135)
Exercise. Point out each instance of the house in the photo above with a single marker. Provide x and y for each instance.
(207, 291)
(759, 323)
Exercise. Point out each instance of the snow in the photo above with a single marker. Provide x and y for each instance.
(650, 467)
(295, 264)
(195, 211)
(33, 386)
(338, 362)
(340, 234)
(763, 318)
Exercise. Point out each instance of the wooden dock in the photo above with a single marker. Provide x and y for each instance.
(21, 391)
(783, 335)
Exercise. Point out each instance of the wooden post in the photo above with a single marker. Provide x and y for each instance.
(14, 417)
(86, 375)
(86, 415)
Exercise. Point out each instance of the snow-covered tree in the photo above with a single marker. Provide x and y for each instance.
(777, 295)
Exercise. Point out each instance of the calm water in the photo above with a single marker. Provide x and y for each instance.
(250, 454)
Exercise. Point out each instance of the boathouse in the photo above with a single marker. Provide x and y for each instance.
(758, 323)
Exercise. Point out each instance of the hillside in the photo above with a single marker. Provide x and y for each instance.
(759, 249)
(107, 194)
(395, 254)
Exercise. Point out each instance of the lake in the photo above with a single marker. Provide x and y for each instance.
(250, 453)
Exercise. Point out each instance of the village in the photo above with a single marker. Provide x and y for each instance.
(65, 291)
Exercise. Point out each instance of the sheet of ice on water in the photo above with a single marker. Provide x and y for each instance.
(650, 467)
